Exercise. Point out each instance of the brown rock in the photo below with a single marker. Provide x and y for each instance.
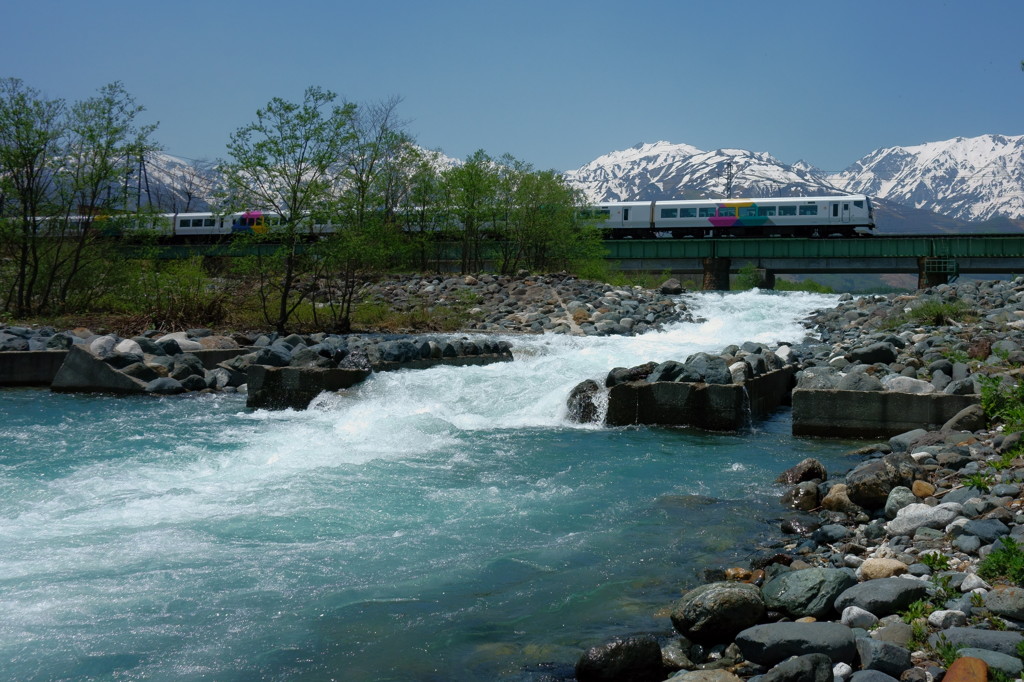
(922, 489)
(737, 573)
(967, 669)
(838, 500)
(872, 569)
(808, 470)
(217, 343)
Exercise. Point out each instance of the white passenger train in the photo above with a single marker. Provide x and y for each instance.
(822, 216)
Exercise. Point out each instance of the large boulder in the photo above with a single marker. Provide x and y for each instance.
(775, 642)
(920, 515)
(86, 373)
(808, 592)
(869, 484)
(715, 612)
(582, 402)
(884, 596)
(633, 659)
(808, 469)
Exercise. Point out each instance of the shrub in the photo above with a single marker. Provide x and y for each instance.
(1007, 561)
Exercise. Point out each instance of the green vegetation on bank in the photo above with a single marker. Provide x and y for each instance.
(70, 179)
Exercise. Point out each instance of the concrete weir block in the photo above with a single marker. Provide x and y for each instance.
(30, 368)
(295, 387)
(717, 407)
(872, 414)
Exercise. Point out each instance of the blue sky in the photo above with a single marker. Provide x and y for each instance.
(555, 83)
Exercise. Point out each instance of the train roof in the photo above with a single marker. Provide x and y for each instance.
(741, 200)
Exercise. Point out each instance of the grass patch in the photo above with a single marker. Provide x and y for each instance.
(1005, 562)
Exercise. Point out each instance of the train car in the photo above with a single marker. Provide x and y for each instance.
(822, 216)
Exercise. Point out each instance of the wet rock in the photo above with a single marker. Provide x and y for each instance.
(582, 402)
(717, 611)
(633, 659)
(808, 469)
(808, 592)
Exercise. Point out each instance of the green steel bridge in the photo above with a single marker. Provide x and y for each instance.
(934, 258)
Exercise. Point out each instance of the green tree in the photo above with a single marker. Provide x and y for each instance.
(470, 193)
(282, 162)
(31, 129)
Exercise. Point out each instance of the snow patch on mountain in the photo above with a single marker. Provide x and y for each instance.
(970, 178)
(663, 170)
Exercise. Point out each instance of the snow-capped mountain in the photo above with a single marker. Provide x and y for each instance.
(972, 178)
(681, 171)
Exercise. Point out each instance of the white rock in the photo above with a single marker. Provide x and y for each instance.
(102, 346)
(947, 618)
(915, 516)
(856, 617)
(128, 346)
(973, 582)
(842, 671)
(901, 384)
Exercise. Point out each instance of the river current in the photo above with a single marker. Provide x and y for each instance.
(442, 524)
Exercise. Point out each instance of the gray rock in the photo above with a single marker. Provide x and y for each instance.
(806, 668)
(1004, 663)
(717, 611)
(808, 592)
(859, 381)
(902, 442)
(883, 596)
(1006, 603)
(869, 484)
(1004, 642)
(772, 643)
(165, 386)
(971, 418)
(987, 530)
(634, 659)
(882, 656)
(808, 469)
(582, 402)
(899, 497)
(884, 353)
(872, 676)
(710, 368)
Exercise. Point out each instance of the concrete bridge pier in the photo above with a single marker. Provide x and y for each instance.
(716, 274)
(934, 271)
(765, 278)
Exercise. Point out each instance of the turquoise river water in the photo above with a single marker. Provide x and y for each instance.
(443, 524)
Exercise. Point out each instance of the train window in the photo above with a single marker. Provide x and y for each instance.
(669, 212)
(707, 212)
(727, 212)
(787, 210)
(764, 211)
(809, 210)
(625, 214)
(835, 210)
(687, 213)
(748, 211)
(208, 222)
(858, 204)
(184, 222)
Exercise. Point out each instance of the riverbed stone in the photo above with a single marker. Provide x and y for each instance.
(1010, 666)
(875, 568)
(882, 656)
(807, 592)
(772, 643)
(630, 659)
(1003, 641)
(918, 515)
(716, 611)
(869, 483)
(884, 596)
(808, 469)
(806, 668)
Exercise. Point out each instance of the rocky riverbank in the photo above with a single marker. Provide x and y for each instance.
(907, 567)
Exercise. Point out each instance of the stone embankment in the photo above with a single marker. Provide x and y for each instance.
(559, 304)
(289, 371)
(905, 567)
